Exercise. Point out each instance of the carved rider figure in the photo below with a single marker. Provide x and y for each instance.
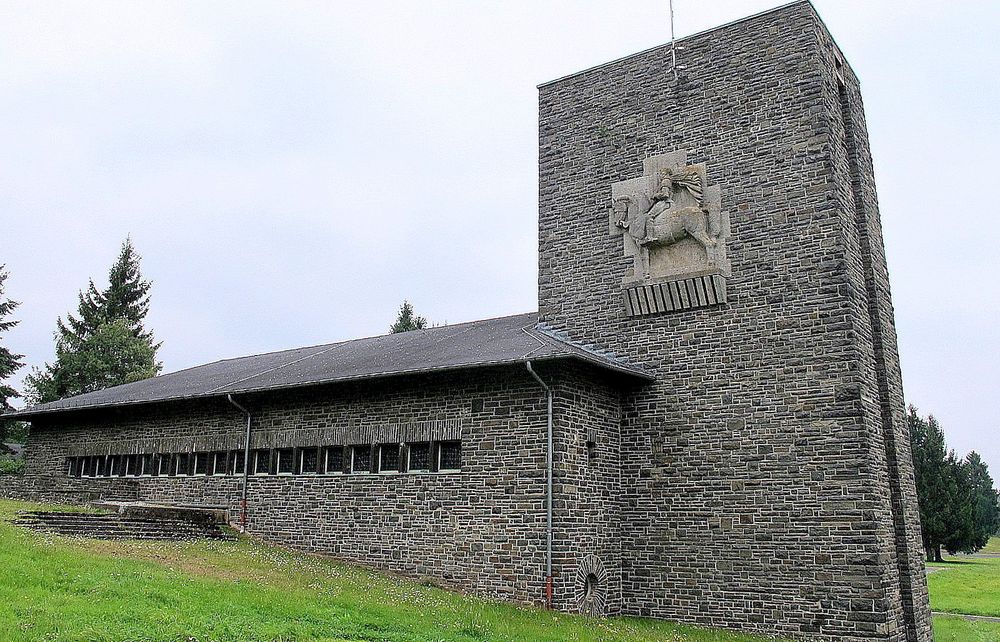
(640, 222)
(665, 214)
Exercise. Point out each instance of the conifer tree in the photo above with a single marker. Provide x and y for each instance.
(959, 520)
(932, 480)
(984, 503)
(127, 296)
(9, 361)
(406, 320)
(958, 503)
(91, 316)
(105, 343)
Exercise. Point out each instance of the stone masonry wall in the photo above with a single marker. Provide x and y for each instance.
(879, 376)
(587, 421)
(913, 581)
(757, 485)
(481, 530)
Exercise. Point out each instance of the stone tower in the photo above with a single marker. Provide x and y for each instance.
(720, 227)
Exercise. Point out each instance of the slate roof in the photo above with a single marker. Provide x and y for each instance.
(17, 450)
(504, 340)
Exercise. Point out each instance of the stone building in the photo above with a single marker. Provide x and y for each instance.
(702, 422)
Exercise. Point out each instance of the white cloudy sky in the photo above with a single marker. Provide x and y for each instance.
(290, 171)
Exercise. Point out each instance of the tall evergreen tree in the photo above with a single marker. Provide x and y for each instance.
(90, 317)
(932, 479)
(127, 296)
(9, 361)
(406, 320)
(105, 343)
(985, 501)
(958, 504)
(959, 516)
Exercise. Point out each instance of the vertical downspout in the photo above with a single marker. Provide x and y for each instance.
(246, 466)
(548, 490)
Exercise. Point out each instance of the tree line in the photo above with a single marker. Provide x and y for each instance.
(104, 343)
(959, 507)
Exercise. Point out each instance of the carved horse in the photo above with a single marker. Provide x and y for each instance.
(671, 215)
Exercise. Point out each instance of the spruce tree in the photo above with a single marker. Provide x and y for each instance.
(958, 504)
(959, 517)
(105, 343)
(127, 296)
(985, 502)
(406, 320)
(933, 480)
(9, 361)
(91, 316)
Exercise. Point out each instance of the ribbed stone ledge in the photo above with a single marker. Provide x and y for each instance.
(674, 296)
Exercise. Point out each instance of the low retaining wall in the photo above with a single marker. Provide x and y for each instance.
(37, 488)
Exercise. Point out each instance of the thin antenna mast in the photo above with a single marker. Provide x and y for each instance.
(673, 45)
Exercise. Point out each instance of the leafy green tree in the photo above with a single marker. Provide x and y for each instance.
(407, 321)
(105, 343)
(9, 361)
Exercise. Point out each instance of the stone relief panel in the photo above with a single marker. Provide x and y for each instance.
(671, 222)
(591, 590)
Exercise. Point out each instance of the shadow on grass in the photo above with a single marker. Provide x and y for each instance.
(953, 562)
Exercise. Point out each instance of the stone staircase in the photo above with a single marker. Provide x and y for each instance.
(122, 526)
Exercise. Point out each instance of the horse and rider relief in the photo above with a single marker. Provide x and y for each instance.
(672, 223)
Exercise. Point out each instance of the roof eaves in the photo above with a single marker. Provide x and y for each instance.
(29, 413)
(552, 345)
(592, 353)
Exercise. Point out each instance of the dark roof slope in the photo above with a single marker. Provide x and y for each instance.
(503, 340)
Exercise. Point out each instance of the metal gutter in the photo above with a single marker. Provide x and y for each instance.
(246, 465)
(548, 488)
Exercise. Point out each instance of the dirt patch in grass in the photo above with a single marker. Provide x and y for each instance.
(166, 555)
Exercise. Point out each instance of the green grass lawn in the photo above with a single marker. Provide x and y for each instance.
(955, 629)
(55, 588)
(969, 585)
(966, 585)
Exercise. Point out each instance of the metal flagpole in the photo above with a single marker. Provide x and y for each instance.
(673, 46)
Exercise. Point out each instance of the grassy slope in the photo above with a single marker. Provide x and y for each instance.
(61, 589)
(992, 546)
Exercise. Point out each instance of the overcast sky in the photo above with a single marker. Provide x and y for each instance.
(291, 171)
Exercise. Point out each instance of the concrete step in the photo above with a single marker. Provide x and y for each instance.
(110, 526)
(199, 514)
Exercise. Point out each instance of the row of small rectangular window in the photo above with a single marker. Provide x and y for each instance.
(438, 456)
